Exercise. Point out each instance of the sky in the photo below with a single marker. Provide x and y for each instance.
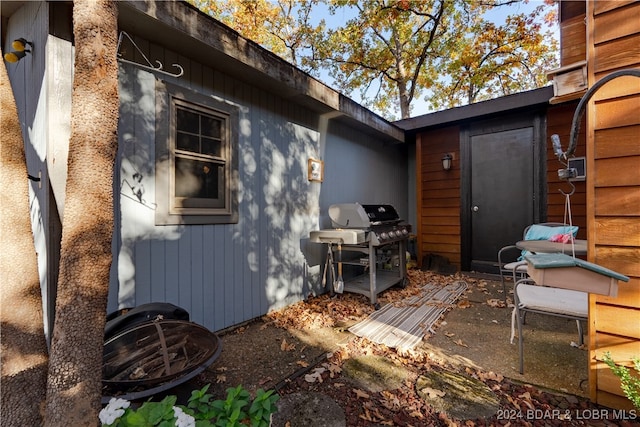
(419, 106)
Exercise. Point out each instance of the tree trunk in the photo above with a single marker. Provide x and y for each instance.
(75, 364)
(23, 349)
(404, 100)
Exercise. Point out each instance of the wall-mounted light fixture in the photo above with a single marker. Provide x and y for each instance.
(447, 160)
(20, 50)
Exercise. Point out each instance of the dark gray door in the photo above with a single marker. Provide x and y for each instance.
(502, 191)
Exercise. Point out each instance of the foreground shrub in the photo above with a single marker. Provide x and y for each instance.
(201, 411)
(630, 384)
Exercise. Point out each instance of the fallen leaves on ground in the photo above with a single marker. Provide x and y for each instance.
(315, 375)
(361, 394)
(433, 393)
(401, 406)
(496, 303)
(463, 303)
(324, 311)
(460, 343)
(285, 346)
(390, 400)
(485, 376)
(334, 369)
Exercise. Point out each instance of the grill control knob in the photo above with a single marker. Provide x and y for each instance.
(383, 235)
(405, 231)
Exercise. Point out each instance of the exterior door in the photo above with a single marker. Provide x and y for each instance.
(502, 183)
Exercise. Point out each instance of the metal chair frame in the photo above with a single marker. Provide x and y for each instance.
(520, 314)
(510, 265)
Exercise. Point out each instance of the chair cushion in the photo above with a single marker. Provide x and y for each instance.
(545, 232)
(553, 300)
(521, 266)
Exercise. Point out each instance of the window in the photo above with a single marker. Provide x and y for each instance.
(196, 159)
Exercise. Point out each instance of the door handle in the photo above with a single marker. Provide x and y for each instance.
(475, 208)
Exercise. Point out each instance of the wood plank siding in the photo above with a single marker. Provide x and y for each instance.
(438, 194)
(559, 122)
(573, 46)
(613, 187)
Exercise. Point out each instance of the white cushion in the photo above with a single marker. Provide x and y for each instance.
(554, 300)
(520, 266)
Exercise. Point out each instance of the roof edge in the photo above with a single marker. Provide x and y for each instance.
(485, 108)
(283, 77)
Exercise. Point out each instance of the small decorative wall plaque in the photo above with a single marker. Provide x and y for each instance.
(315, 170)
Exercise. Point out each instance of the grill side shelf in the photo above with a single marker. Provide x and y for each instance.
(362, 284)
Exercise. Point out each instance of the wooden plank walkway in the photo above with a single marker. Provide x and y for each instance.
(403, 325)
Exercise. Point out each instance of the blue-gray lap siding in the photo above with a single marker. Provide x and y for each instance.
(228, 273)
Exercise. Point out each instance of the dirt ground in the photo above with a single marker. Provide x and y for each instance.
(262, 355)
(265, 353)
(304, 348)
(479, 335)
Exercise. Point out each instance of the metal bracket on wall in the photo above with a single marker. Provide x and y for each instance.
(37, 179)
(148, 66)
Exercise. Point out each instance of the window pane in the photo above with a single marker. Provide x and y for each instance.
(198, 179)
(211, 127)
(212, 147)
(187, 121)
(187, 142)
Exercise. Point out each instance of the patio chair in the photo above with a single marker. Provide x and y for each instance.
(530, 297)
(510, 258)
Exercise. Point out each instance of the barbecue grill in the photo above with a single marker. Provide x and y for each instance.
(373, 230)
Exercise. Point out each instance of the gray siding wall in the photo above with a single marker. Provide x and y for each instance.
(229, 273)
(222, 274)
(33, 94)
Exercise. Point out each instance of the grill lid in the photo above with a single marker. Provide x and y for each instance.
(381, 213)
(355, 215)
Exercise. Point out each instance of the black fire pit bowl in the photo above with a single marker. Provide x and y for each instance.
(155, 356)
(127, 318)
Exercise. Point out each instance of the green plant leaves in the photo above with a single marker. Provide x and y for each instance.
(151, 414)
(630, 385)
(230, 412)
(262, 407)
